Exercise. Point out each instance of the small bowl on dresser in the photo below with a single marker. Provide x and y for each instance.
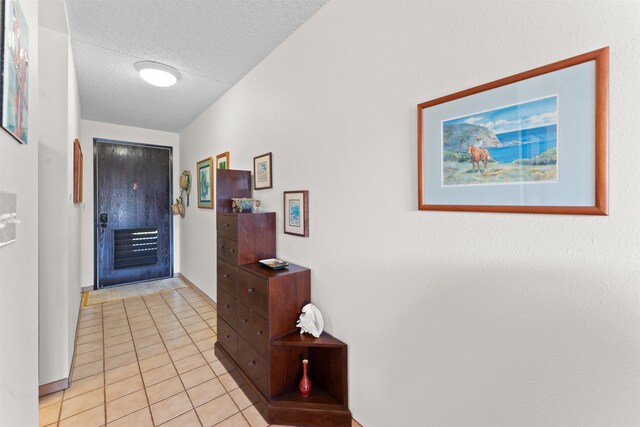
(245, 205)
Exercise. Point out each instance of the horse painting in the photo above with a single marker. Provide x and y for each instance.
(478, 155)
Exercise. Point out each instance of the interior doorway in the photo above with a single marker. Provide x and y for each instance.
(133, 221)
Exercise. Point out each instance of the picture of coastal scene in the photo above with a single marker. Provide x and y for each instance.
(294, 213)
(513, 144)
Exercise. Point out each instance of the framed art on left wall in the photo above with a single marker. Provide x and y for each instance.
(205, 183)
(15, 71)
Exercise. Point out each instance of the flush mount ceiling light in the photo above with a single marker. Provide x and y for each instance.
(157, 74)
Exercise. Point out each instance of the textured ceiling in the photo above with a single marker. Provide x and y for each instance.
(213, 43)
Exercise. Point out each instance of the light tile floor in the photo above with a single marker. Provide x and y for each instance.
(149, 361)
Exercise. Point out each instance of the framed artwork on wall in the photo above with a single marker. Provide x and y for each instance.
(205, 183)
(222, 161)
(77, 171)
(296, 212)
(534, 142)
(15, 71)
(262, 172)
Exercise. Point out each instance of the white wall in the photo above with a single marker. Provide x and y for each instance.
(54, 360)
(59, 218)
(91, 129)
(197, 238)
(19, 261)
(452, 319)
(73, 217)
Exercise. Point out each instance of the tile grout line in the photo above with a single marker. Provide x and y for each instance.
(227, 391)
(136, 295)
(214, 372)
(174, 365)
(208, 364)
(167, 304)
(73, 378)
(144, 386)
(199, 353)
(123, 379)
(104, 368)
(240, 387)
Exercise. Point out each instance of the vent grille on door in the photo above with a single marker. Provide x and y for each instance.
(135, 247)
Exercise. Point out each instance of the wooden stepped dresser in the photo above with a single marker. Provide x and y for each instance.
(257, 313)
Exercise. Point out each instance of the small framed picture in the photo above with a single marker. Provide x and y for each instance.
(296, 212)
(205, 183)
(262, 172)
(222, 160)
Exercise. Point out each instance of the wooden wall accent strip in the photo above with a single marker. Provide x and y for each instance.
(54, 387)
(198, 290)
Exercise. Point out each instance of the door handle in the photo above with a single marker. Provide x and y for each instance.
(104, 218)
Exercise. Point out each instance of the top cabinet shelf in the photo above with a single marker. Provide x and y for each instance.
(246, 238)
(297, 339)
(267, 273)
(231, 184)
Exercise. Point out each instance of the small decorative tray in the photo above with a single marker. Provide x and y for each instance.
(273, 263)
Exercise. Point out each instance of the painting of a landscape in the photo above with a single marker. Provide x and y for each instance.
(513, 144)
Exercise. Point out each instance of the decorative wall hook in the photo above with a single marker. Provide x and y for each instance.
(185, 184)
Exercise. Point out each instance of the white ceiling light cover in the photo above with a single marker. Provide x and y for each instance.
(157, 74)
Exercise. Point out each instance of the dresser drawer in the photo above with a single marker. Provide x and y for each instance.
(227, 226)
(221, 247)
(254, 329)
(254, 365)
(254, 293)
(228, 278)
(228, 308)
(232, 251)
(228, 250)
(228, 338)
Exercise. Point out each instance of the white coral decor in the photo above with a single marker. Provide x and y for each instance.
(310, 321)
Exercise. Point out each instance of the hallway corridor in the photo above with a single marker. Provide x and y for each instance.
(149, 361)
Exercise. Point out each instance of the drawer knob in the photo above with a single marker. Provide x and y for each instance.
(244, 320)
(252, 363)
(233, 251)
(226, 306)
(226, 276)
(227, 225)
(227, 336)
(251, 290)
(258, 333)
